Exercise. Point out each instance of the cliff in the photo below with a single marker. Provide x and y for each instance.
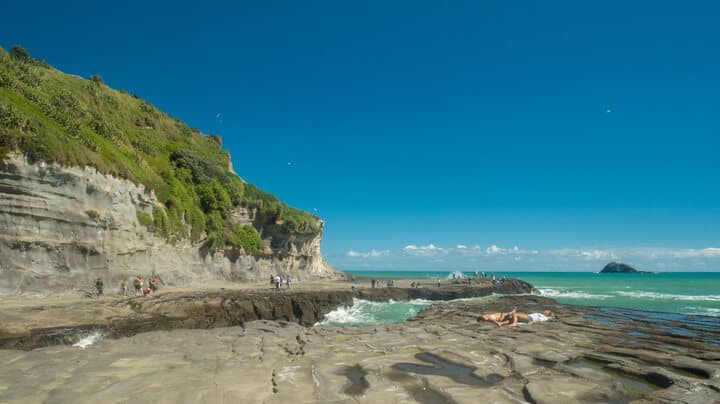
(96, 182)
(61, 227)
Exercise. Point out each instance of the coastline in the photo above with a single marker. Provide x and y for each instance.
(198, 344)
(694, 293)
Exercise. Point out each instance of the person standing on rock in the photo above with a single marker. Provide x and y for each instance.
(277, 282)
(288, 280)
(137, 285)
(123, 287)
(99, 287)
(155, 283)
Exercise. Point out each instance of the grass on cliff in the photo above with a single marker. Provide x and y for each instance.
(56, 117)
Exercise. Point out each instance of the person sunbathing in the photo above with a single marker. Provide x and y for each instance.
(500, 319)
(531, 318)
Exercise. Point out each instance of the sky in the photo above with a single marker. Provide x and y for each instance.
(469, 135)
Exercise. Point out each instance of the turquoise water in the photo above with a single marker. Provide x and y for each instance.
(674, 292)
(364, 312)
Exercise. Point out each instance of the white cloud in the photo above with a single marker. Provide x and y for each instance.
(652, 253)
(370, 254)
(515, 250)
(473, 256)
(665, 252)
(586, 254)
(463, 250)
(423, 250)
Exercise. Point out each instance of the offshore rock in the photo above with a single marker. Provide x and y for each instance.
(620, 268)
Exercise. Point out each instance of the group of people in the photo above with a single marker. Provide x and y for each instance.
(513, 317)
(140, 287)
(374, 283)
(138, 283)
(277, 281)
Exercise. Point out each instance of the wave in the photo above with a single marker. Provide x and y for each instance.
(477, 299)
(667, 296)
(571, 294)
(456, 275)
(89, 340)
(365, 312)
(705, 311)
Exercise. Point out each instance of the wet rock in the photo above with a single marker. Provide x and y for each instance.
(560, 389)
(445, 355)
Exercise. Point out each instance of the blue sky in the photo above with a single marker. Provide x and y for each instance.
(582, 131)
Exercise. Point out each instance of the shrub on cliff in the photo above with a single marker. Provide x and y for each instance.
(246, 237)
(54, 117)
(19, 53)
(145, 219)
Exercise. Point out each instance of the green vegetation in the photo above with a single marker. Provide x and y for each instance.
(93, 214)
(56, 117)
(145, 219)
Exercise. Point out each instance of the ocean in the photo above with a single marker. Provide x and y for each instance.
(672, 292)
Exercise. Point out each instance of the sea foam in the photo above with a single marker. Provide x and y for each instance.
(456, 275)
(705, 311)
(571, 294)
(89, 340)
(668, 296)
(364, 312)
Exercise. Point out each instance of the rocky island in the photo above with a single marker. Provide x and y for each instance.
(620, 268)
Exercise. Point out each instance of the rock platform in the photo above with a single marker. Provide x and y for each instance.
(444, 355)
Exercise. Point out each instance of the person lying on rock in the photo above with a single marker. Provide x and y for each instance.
(500, 319)
(531, 318)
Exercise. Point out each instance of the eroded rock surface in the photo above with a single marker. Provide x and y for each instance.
(37, 324)
(444, 355)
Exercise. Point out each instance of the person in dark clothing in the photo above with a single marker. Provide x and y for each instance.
(99, 287)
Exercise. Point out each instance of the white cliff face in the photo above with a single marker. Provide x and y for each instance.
(60, 228)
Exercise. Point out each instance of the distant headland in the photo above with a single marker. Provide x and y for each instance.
(620, 268)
